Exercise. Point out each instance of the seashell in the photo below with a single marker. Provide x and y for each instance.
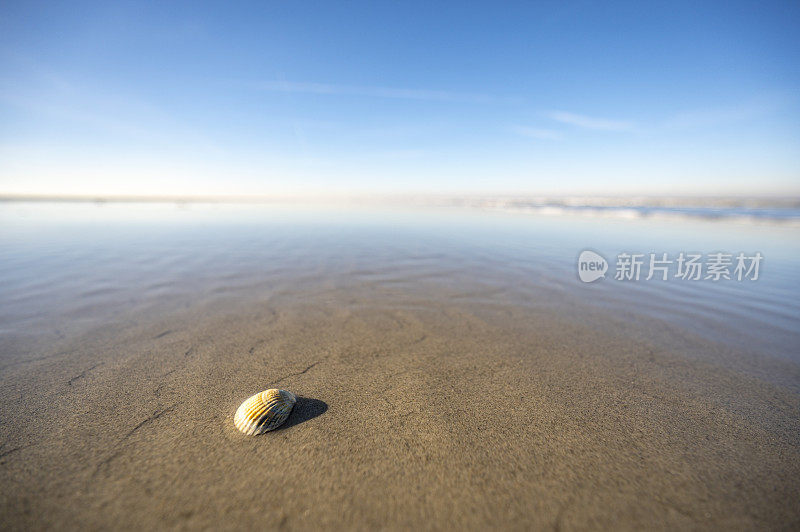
(264, 411)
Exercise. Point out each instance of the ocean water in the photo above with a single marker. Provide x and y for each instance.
(771, 210)
(69, 267)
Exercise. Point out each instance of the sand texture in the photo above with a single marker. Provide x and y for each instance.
(413, 412)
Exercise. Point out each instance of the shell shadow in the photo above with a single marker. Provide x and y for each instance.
(304, 410)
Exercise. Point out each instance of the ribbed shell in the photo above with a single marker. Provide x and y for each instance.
(264, 411)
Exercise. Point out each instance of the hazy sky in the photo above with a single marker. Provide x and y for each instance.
(294, 97)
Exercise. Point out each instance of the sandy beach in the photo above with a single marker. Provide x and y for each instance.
(521, 266)
(412, 414)
(434, 402)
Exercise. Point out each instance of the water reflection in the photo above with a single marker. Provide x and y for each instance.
(85, 264)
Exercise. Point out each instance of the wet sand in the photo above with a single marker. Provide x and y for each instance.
(452, 375)
(416, 411)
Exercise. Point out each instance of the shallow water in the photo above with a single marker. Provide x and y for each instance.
(131, 333)
(67, 267)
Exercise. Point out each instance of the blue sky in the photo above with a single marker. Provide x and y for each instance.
(346, 97)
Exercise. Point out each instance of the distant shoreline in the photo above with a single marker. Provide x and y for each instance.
(759, 209)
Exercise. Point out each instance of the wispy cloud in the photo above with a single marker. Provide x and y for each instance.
(719, 116)
(589, 122)
(107, 113)
(539, 133)
(375, 92)
(400, 154)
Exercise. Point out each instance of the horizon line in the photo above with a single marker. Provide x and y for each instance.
(790, 199)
